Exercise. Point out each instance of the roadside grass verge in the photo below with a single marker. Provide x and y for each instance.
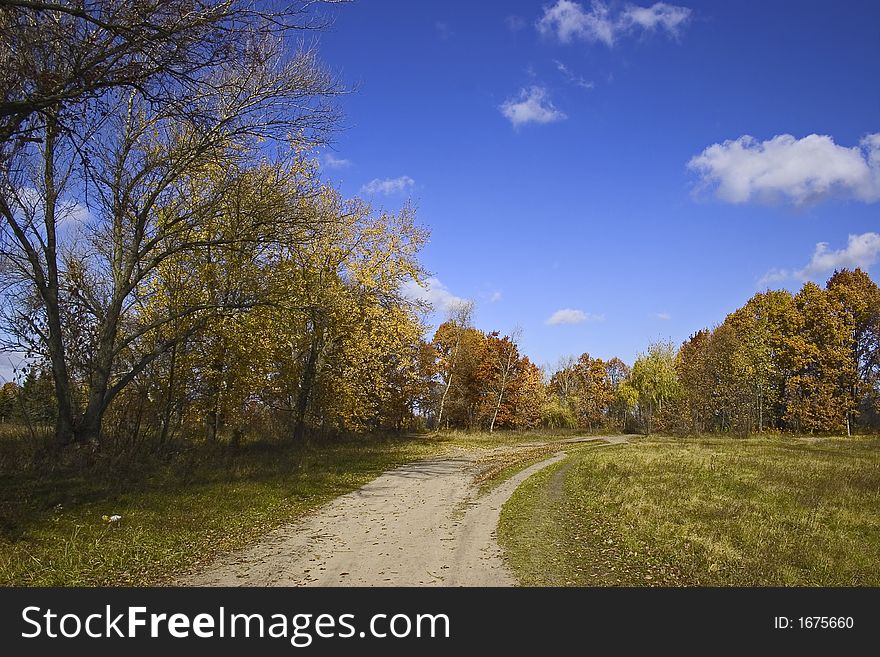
(505, 438)
(498, 468)
(182, 510)
(701, 512)
(175, 515)
(495, 469)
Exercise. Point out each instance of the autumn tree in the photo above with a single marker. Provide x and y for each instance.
(820, 359)
(594, 392)
(732, 392)
(799, 363)
(133, 117)
(377, 347)
(468, 396)
(528, 395)
(448, 342)
(694, 370)
(340, 347)
(559, 412)
(616, 374)
(500, 369)
(563, 381)
(492, 384)
(859, 299)
(584, 392)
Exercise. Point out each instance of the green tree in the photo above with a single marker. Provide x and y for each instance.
(693, 365)
(655, 380)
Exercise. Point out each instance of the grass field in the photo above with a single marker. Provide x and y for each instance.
(176, 515)
(182, 512)
(659, 512)
(701, 512)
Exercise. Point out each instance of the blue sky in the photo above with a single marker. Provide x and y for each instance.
(595, 158)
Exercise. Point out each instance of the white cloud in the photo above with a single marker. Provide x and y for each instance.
(569, 21)
(496, 296)
(775, 276)
(660, 14)
(73, 212)
(861, 251)
(388, 186)
(515, 23)
(68, 212)
(788, 169)
(664, 316)
(330, 161)
(533, 105)
(572, 316)
(433, 292)
(576, 80)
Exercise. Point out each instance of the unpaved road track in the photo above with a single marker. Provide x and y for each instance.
(421, 524)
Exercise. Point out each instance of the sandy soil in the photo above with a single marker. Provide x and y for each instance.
(421, 524)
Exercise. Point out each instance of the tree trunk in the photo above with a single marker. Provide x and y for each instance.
(64, 423)
(495, 414)
(505, 375)
(214, 420)
(443, 401)
(65, 426)
(305, 390)
(88, 429)
(760, 412)
(169, 398)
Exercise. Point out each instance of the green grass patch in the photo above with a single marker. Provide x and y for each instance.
(495, 469)
(175, 515)
(701, 512)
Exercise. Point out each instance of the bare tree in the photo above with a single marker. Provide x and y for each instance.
(563, 381)
(153, 121)
(58, 54)
(507, 357)
(460, 316)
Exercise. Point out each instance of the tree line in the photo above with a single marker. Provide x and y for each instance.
(480, 380)
(171, 261)
(172, 264)
(805, 363)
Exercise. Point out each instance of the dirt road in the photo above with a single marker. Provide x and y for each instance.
(421, 524)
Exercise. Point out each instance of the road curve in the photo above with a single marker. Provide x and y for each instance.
(421, 524)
